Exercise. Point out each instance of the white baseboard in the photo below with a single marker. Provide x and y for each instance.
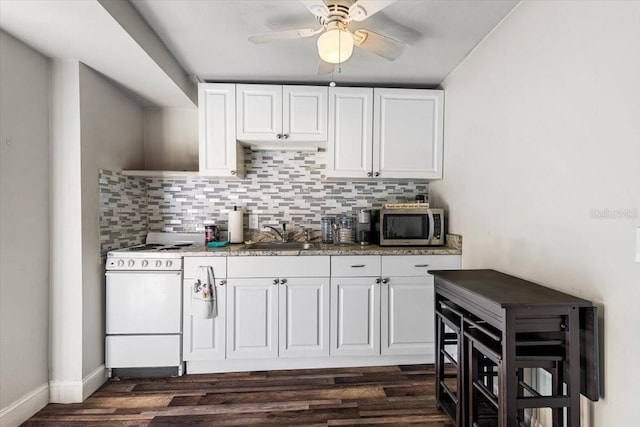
(77, 391)
(93, 381)
(241, 365)
(25, 407)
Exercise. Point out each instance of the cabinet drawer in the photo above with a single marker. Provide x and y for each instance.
(279, 266)
(355, 265)
(417, 265)
(193, 264)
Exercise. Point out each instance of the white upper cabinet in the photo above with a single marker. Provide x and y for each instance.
(385, 133)
(349, 148)
(281, 114)
(219, 152)
(407, 133)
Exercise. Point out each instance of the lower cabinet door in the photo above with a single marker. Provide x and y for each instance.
(407, 315)
(204, 338)
(355, 316)
(304, 317)
(252, 318)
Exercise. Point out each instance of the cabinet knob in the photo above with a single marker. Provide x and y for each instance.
(369, 174)
(377, 174)
(223, 282)
(385, 280)
(232, 172)
(377, 280)
(275, 282)
(283, 281)
(279, 136)
(285, 136)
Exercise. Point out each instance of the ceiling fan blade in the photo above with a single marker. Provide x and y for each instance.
(317, 7)
(283, 35)
(377, 43)
(325, 68)
(362, 9)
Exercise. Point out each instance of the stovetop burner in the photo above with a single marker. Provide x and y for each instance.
(175, 247)
(145, 247)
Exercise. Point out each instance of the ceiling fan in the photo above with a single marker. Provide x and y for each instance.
(336, 41)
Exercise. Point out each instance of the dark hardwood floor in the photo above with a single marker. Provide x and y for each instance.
(386, 395)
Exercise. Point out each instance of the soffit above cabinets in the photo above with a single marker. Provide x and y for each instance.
(108, 36)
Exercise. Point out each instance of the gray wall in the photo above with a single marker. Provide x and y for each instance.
(24, 222)
(112, 135)
(543, 139)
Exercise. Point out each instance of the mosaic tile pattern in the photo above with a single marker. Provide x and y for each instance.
(123, 210)
(279, 186)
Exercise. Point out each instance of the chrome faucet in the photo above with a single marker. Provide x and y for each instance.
(283, 235)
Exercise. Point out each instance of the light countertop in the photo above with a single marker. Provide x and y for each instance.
(453, 247)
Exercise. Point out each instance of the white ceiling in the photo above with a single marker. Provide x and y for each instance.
(209, 39)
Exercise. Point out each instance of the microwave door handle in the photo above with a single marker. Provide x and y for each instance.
(431, 225)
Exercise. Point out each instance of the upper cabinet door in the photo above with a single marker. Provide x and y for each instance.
(219, 152)
(349, 147)
(408, 133)
(304, 113)
(259, 112)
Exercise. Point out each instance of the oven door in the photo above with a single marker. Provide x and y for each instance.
(143, 302)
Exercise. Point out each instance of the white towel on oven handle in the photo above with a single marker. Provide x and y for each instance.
(205, 301)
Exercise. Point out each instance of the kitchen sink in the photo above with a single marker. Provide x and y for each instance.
(279, 246)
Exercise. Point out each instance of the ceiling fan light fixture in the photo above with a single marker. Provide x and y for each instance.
(335, 46)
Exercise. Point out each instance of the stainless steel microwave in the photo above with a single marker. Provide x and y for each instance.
(408, 227)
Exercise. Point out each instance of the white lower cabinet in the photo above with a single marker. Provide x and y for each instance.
(407, 311)
(287, 312)
(355, 305)
(278, 306)
(252, 319)
(304, 317)
(407, 315)
(204, 339)
(355, 316)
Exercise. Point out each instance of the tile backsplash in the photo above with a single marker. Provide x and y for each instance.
(279, 186)
(123, 210)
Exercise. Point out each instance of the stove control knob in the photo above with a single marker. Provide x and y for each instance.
(145, 263)
(169, 263)
(158, 263)
(120, 263)
(130, 263)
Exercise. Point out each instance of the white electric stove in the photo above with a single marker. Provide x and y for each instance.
(144, 303)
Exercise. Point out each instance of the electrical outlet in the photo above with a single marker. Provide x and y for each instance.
(637, 244)
(253, 221)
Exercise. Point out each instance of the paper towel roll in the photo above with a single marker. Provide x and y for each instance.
(235, 226)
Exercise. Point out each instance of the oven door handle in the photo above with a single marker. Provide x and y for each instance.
(431, 225)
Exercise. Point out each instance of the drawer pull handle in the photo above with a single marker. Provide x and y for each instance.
(357, 266)
(421, 265)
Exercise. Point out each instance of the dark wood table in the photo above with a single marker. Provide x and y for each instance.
(500, 325)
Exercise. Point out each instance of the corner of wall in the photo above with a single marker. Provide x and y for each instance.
(77, 391)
